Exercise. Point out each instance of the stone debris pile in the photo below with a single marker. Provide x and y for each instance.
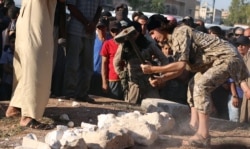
(111, 132)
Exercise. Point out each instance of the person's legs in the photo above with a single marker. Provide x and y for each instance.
(74, 46)
(116, 90)
(86, 69)
(204, 84)
(203, 125)
(194, 120)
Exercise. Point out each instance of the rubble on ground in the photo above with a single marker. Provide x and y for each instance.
(111, 132)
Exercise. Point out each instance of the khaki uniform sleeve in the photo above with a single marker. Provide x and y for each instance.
(181, 42)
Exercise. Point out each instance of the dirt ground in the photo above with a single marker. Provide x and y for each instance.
(11, 133)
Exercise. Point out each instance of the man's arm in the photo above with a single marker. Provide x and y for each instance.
(169, 71)
(104, 72)
(172, 67)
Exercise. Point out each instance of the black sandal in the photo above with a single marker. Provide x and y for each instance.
(201, 142)
(34, 124)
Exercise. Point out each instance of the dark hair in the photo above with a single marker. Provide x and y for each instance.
(189, 21)
(216, 30)
(136, 13)
(13, 12)
(106, 13)
(159, 21)
(143, 17)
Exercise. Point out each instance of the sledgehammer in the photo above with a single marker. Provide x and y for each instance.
(128, 34)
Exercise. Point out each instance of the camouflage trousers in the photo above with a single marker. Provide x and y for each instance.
(202, 84)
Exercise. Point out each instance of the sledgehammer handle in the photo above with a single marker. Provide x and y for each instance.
(134, 46)
(137, 52)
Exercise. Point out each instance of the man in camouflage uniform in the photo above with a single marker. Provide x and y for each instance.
(213, 60)
(136, 85)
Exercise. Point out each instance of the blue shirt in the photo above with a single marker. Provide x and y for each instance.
(238, 89)
(97, 57)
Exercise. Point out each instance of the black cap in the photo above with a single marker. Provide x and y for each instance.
(102, 23)
(242, 40)
(106, 14)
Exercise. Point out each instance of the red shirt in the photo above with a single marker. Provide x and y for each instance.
(109, 49)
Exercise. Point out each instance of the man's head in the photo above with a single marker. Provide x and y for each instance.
(121, 11)
(188, 20)
(243, 45)
(247, 32)
(136, 15)
(143, 19)
(158, 27)
(106, 14)
(238, 31)
(171, 19)
(9, 3)
(114, 27)
(102, 23)
(200, 23)
(215, 30)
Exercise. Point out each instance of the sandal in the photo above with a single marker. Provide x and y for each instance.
(201, 142)
(38, 125)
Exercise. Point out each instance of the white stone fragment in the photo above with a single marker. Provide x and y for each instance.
(75, 104)
(161, 121)
(61, 127)
(33, 144)
(106, 120)
(60, 100)
(71, 140)
(142, 132)
(52, 138)
(88, 126)
(70, 124)
(64, 117)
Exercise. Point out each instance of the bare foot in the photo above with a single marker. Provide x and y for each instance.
(12, 112)
(25, 120)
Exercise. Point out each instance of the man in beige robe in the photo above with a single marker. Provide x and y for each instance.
(245, 106)
(33, 62)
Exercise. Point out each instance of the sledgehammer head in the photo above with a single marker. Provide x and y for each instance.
(125, 34)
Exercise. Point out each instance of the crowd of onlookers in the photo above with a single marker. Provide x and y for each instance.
(8, 16)
(115, 70)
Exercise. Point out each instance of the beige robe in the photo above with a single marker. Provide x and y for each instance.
(33, 57)
(245, 106)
